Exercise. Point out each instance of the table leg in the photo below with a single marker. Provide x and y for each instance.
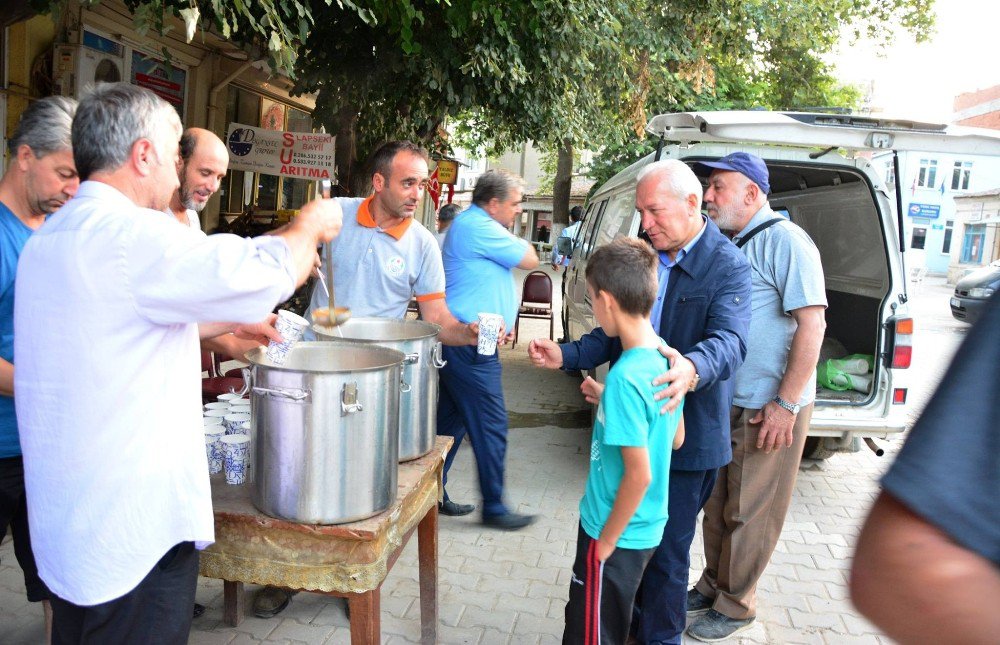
(233, 606)
(365, 611)
(427, 562)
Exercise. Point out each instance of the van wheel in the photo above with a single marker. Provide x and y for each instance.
(815, 448)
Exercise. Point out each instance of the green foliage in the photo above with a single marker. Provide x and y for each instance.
(586, 71)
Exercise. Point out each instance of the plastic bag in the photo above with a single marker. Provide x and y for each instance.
(848, 373)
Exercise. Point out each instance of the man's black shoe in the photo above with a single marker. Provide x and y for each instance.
(697, 603)
(198, 610)
(508, 521)
(454, 509)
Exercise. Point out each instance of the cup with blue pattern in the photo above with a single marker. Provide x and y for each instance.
(234, 422)
(213, 448)
(236, 457)
(291, 326)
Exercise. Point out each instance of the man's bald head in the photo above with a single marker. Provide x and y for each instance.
(204, 160)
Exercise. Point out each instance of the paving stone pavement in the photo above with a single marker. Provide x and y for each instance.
(498, 587)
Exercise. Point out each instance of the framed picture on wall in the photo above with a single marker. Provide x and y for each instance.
(272, 115)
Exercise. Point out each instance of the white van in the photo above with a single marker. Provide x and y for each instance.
(822, 179)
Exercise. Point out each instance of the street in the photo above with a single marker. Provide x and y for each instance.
(498, 587)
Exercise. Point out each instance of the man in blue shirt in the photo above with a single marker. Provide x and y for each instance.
(702, 311)
(479, 254)
(41, 177)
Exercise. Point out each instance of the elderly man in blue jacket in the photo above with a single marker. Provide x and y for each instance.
(702, 311)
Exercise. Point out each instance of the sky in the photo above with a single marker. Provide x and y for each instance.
(920, 81)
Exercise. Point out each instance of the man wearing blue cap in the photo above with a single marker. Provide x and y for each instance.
(773, 401)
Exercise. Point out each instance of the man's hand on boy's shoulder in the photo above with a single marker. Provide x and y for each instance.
(592, 390)
(681, 375)
(545, 353)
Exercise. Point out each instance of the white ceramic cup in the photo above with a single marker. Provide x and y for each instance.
(240, 407)
(228, 396)
(236, 457)
(291, 327)
(213, 421)
(234, 422)
(217, 405)
(489, 333)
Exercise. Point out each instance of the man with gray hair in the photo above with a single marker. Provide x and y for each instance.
(118, 295)
(702, 310)
(773, 399)
(40, 178)
(480, 250)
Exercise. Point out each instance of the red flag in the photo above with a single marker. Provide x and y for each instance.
(434, 188)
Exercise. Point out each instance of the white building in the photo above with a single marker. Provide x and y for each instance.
(929, 184)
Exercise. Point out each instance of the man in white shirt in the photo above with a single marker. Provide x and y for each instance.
(204, 163)
(109, 297)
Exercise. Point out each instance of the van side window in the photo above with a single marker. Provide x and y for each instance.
(619, 207)
(592, 226)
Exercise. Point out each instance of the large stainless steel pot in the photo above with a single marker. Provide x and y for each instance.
(418, 403)
(324, 432)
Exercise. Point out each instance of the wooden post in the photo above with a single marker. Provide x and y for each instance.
(427, 560)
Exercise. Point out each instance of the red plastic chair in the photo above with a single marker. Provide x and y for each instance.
(215, 383)
(536, 301)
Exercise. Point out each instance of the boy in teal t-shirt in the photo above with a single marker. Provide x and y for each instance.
(624, 508)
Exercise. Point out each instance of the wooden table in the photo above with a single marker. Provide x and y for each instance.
(346, 560)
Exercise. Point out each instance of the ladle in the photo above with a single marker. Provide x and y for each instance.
(333, 316)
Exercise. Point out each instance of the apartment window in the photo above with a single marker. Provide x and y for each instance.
(919, 238)
(927, 173)
(960, 175)
(946, 244)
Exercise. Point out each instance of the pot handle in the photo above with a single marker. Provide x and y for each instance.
(403, 385)
(294, 395)
(349, 403)
(438, 359)
(247, 379)
(411, 358)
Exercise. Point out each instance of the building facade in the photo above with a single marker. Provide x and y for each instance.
(210, 82)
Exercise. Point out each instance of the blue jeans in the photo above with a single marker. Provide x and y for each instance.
(661, 603)
(471, 403)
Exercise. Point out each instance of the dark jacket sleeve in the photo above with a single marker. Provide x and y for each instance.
(593, 349)
(721, 352)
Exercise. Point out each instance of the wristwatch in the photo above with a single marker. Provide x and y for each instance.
(791, 407)
(694, 381)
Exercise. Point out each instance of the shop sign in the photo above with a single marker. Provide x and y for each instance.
(302, 155)
(166, 81)
(447, 171)
(930, 211)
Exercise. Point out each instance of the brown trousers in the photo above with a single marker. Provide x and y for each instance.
(745, 513)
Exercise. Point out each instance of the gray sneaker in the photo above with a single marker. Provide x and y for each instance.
(714, 627)
(698, 604)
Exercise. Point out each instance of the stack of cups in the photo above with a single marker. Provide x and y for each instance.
(236, 456)
(291, 327)
(489, 333)
(228, 417)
